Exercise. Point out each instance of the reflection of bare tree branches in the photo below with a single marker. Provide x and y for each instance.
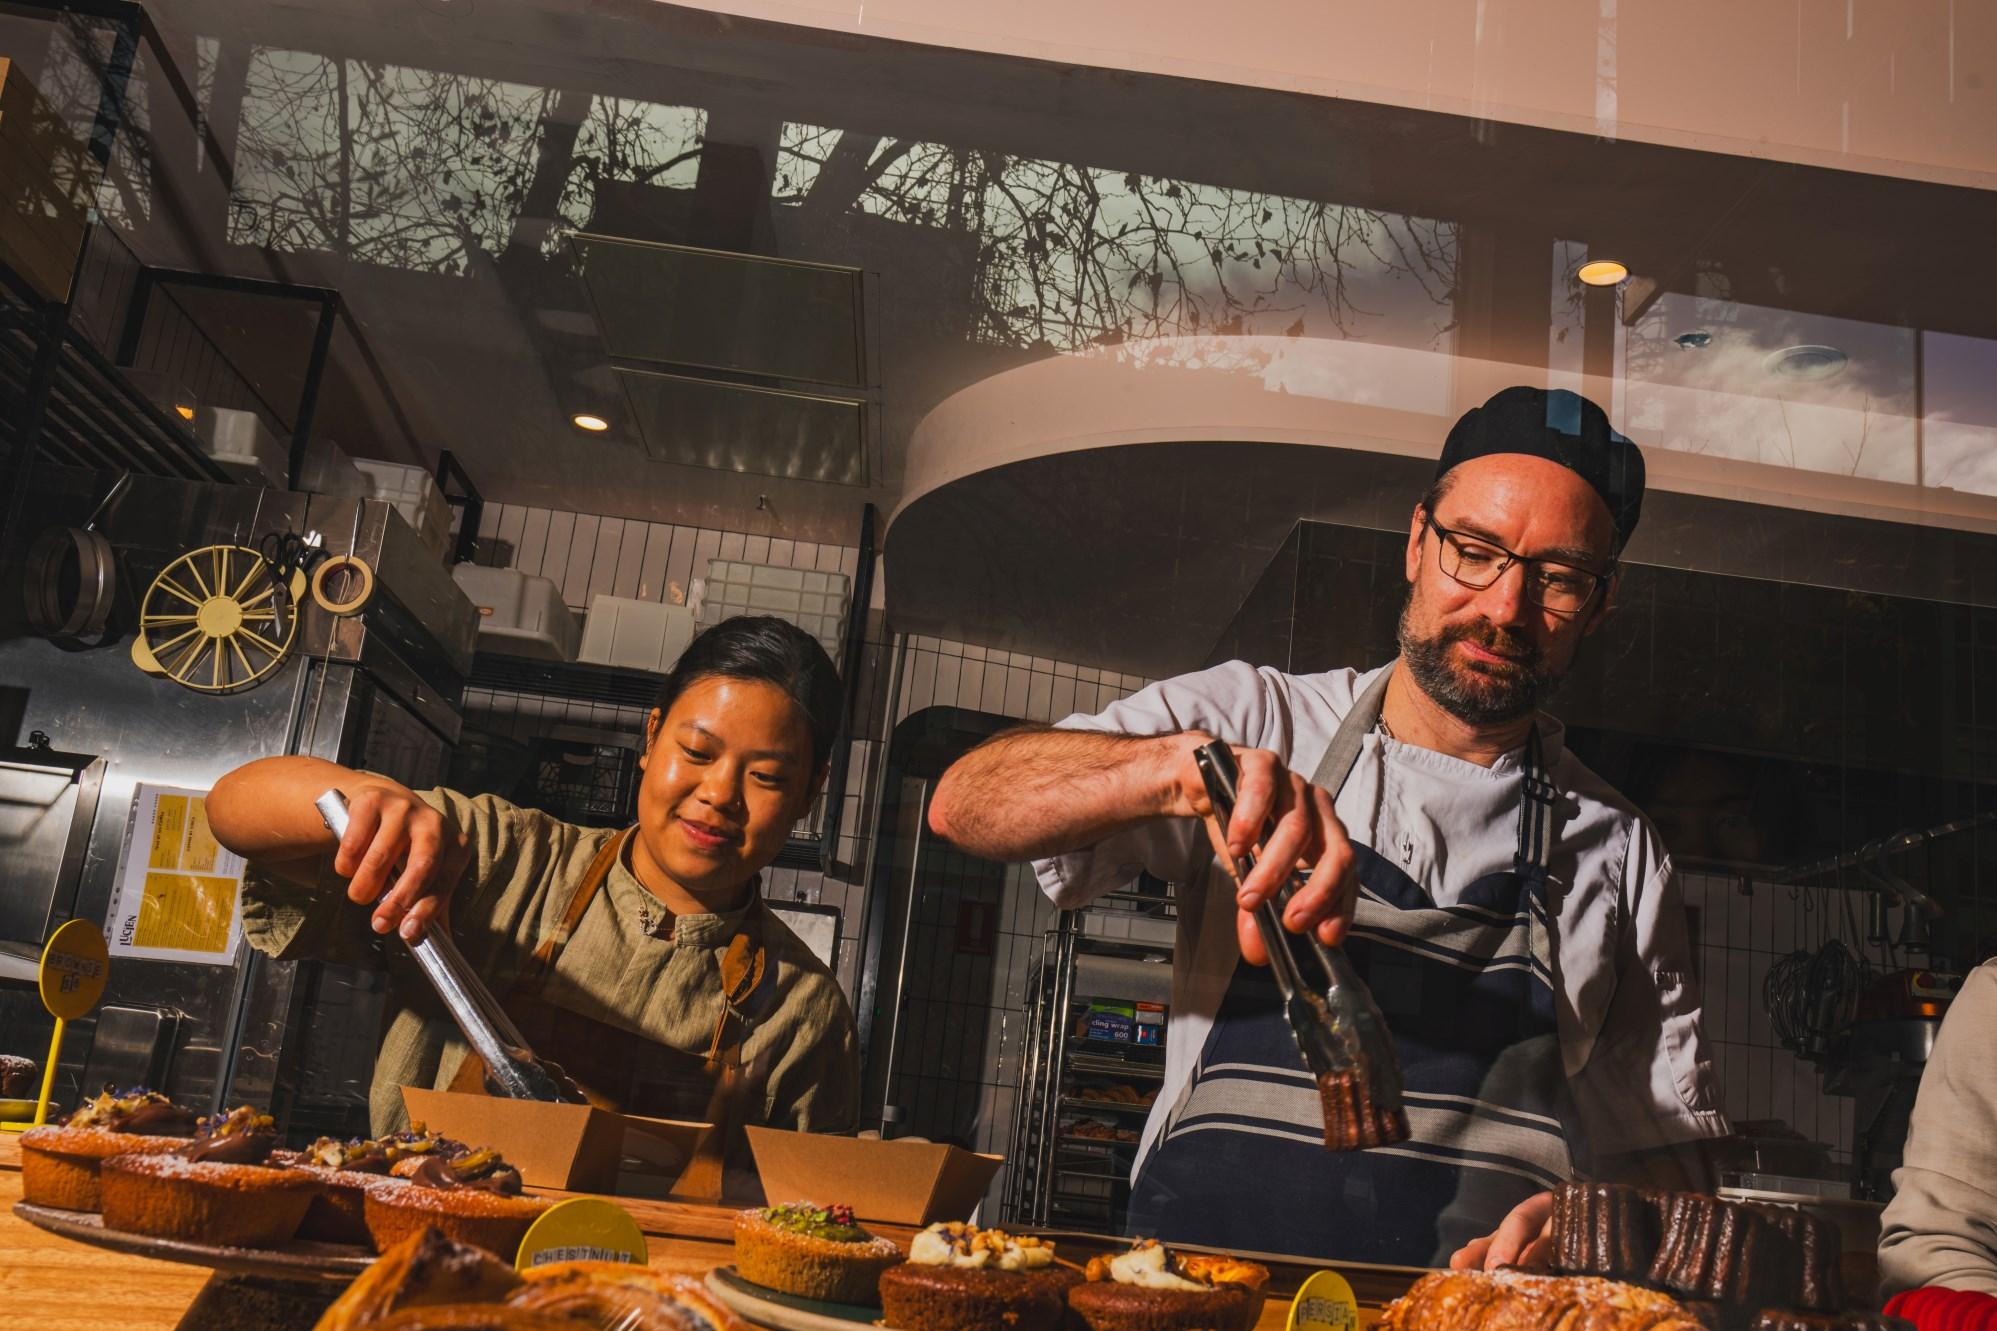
(381, 163)
(623, 140)
(1070, 255)
(423, 169)
(72, 83)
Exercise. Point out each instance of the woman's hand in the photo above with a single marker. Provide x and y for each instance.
(401, 855)
(1305, 834)
(1525, 1238)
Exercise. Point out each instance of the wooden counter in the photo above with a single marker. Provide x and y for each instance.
(55, 1284)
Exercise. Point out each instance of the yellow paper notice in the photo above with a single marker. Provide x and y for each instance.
(169, 832)
(179, 894)
(190, 912)
(202, 848)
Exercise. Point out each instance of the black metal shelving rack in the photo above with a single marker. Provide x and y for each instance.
(1062, 1179)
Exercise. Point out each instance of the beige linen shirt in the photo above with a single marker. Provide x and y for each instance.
(1941, 1226)
(630, 964)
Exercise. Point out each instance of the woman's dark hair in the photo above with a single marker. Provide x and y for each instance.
(771, 650)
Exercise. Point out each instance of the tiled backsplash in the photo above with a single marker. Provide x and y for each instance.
(1738, 930)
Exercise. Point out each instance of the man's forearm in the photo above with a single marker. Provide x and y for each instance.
(1030, 793)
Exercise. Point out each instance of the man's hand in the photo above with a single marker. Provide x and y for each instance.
(1524, 1239)
(387, 828)
(1306, 835)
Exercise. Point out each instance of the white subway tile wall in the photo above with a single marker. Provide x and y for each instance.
(1738, 929)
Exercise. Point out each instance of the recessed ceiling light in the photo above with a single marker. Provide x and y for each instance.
(585, 421)
(1601, 272)
(1805, 362)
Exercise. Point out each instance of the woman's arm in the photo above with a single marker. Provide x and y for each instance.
(398, 853)
(1941, 1226)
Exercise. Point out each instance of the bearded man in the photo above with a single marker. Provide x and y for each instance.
(1515, 917)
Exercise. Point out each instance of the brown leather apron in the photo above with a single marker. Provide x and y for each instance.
(620, 1069)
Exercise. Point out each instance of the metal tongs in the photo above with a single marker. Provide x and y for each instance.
(511, 1070)
(1339, 1031)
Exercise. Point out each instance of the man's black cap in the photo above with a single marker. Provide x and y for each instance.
(1561, 427)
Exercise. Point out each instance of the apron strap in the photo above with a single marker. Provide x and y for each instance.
(542, 964)
(1338, 760)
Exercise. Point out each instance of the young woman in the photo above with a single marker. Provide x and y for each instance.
(641, 960)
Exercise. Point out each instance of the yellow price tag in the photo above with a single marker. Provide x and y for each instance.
(75, 966)
(1324, 1303)
(582, 1229)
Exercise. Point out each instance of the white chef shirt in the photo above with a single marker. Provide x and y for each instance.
(1627, 1010)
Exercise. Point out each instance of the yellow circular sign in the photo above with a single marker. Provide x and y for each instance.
(75, 965)
(1324, 1303)
(582, 1229)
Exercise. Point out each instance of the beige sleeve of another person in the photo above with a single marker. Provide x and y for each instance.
(1941, 1226)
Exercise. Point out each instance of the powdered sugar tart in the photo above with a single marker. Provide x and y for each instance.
(473, 1197)
(60, 1163)
(220, 1188)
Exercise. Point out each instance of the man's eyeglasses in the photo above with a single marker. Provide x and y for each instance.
(1564, 589)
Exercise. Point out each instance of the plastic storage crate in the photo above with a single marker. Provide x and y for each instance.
(636, 635)
(415, 496)
(808, 598)
(519, 614)
(242, 445)
(580, 782)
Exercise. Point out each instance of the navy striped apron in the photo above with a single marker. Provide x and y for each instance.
(1466, 989)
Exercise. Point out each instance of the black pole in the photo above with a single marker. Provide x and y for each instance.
(849, 669)
(308, 397)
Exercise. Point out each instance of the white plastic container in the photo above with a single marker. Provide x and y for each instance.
(808, 598)
(634, 634)
(519, 614)
(415, 496)
(329, 470)
(239, 441)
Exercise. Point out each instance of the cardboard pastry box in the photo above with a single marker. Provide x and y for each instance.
(895, 1182)
(578, 1148)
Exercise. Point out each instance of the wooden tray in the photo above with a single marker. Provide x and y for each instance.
(297, 1260)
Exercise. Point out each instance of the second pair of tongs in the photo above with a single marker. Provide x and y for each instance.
(511, 1070)
(1344, 1040)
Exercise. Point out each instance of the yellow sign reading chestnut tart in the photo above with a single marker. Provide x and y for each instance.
(1324, 1303)
(76, 964)
(582, 1229)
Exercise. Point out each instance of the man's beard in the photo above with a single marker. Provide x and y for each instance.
(1483, 693)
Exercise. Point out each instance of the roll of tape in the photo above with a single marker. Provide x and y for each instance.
(337, 566)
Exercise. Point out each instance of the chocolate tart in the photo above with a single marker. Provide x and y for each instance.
(932, 1295)
(473, 1198)
(1226, 1293)
(813, 1252)
(60, 1163)
(217, 1189)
